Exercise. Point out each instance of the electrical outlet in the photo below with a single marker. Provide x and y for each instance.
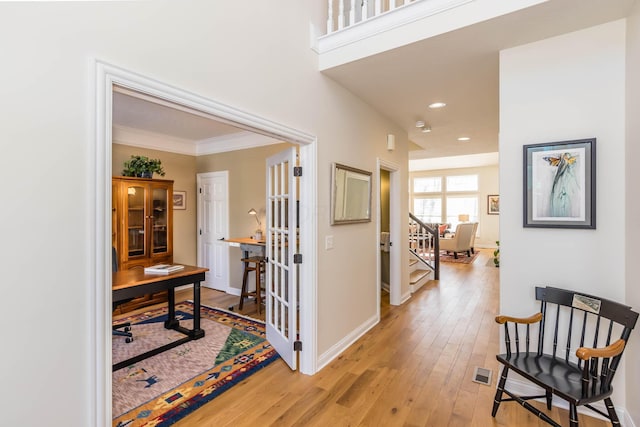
(328, 242)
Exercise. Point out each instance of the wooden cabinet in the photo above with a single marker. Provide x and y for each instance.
(142, 227)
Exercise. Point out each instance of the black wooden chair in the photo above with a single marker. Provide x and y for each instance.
(567, 320)
(121, 329)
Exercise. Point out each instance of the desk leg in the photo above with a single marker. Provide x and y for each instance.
(171, 322)
(196, 333)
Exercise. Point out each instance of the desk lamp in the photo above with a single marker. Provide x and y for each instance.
(258, 235)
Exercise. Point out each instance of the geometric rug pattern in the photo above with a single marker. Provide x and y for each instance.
(162, 389)
(462, 258)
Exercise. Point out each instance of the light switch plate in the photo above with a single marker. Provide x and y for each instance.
(328, 242)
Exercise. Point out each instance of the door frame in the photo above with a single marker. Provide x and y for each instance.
(103, 78)
(200, 214)
(395, 256)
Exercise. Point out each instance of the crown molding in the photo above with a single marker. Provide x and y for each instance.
(232, 142)
(140, 138)
(154, 141)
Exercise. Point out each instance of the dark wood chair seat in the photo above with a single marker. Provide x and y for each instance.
(563, 378)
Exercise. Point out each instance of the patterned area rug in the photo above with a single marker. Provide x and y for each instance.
(162, 389)
(462, 259)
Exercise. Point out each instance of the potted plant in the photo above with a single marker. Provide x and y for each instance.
(496, 255)
(143, 167)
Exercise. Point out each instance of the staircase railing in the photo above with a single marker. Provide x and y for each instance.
(424, 243)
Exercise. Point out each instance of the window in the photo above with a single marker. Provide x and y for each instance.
(462, 183)
(461, 206)
(428, 209)
(440, 199)
(428, 184)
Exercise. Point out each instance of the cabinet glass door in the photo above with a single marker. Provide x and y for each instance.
(136, 217)
(160, 199)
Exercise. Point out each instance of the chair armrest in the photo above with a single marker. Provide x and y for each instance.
(527, 320)
(586, 353)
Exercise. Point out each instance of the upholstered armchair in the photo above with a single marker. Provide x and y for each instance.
(461, 241)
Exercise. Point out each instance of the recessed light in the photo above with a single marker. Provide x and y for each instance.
(437, 105)
(426, 129)
(464, 138)
(420, 123)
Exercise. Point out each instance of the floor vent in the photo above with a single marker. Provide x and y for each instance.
(482, 375)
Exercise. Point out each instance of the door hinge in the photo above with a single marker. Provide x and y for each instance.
(297, 171)
(201, 231)
(297, 346)
(200, 189)
(297, 258)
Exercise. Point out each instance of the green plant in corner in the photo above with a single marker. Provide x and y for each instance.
(496, 255)
(142, 166)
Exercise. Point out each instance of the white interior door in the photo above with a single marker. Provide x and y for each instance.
(213, 227)
(282, 250)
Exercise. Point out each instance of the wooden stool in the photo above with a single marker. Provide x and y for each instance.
(253, 263)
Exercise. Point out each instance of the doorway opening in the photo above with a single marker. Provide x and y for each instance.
(107, 77)
(389, 269)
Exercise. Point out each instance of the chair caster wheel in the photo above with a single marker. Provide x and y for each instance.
(127, 329)
(128, 340)
(230, 308)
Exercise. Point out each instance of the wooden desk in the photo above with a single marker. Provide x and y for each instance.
(247, 244)
(133, 283)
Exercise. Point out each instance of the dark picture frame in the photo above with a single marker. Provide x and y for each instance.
(560, 184)
(493, 204)
(179, 200)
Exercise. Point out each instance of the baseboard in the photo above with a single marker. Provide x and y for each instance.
(525, 388)
(347, 341)
(405, 297)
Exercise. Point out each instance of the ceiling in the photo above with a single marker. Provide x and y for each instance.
(459, 68)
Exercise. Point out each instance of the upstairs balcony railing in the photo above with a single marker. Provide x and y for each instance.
(344, 13)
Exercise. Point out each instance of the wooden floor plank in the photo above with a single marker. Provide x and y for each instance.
(412, 369)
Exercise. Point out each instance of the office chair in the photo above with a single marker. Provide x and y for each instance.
(126, 327)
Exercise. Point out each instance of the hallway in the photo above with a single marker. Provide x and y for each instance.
(412, 369)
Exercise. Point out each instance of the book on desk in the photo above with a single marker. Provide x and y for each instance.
(163, 269)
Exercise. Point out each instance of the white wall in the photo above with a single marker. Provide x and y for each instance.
(259, 61)
(632, 224)
(564, 88)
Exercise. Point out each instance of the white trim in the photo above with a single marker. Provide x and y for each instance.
(346, 342)
(141, 138)
(220, 144)
(232, 142)
(309, 276)
(106, 76)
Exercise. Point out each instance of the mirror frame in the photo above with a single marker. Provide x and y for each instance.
(338, 193)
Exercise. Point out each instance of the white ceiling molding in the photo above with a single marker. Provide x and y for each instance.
(154, 141)
(237, 141)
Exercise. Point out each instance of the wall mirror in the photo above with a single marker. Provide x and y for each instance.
(351, 195)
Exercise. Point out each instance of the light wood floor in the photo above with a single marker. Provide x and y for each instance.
(412, 369)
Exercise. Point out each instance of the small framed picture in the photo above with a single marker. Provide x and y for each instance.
(493, 204)
(560, 184)
(180, 200)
